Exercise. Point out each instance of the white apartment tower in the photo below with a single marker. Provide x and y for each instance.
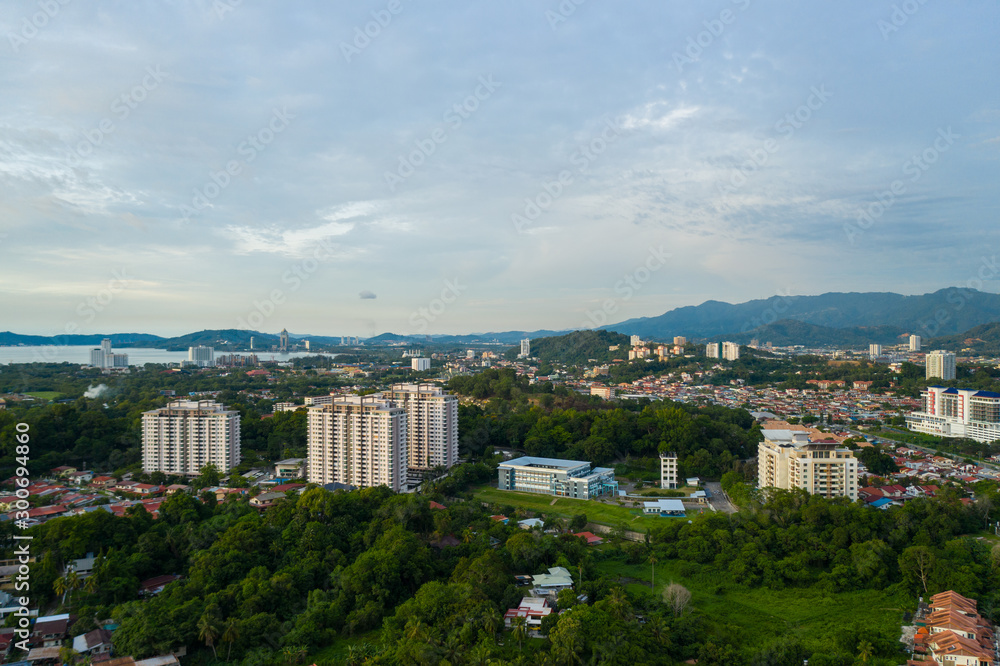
(525, 348)
(874, 350)
(731, 351)
(432, 424)
(668, 471)
(186, 435)
(712, 350)
(357, 440)
(787, 459)
(420, 364)
(203, 357)
(941, 364)
(680, 340)
(102, 357)
(915, 343)
(953, 412)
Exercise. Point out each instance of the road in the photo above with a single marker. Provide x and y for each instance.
(717, 498)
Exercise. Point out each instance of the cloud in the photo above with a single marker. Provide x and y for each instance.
(654, 115)
(367, 295)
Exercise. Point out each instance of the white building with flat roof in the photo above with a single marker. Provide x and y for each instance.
(787, 459)
(953, 412)
(668, 470)
(103, 357)
(432, 424)
(202, 356)
(420, 364)
(915, 342)
(940, 364)
(525, 348)
(712, 350)
(358, 441)
(553, 476)
(730, 351)
(186, 435)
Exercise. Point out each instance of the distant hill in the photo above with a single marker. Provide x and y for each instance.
(117, 339)
(576, 348)
(222, 339)
(787, 332)
(960, 309)
(508, 337)
(983, 339)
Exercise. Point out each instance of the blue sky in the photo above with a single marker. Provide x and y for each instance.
(465, 167)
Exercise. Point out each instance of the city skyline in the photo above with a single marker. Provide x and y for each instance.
(492, 168)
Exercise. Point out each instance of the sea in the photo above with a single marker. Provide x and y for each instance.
(80, 354)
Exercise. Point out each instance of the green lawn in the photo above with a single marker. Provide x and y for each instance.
(759, 616)
(596, 512)
(46, 395)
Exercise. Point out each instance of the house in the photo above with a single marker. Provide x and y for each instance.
(103, 481)
(664, 507)
(436, 505)
(293, 468)
(285, 487)
(63, 470)
(265, 500)
(126, 486)
(83, 567)
(693, 481)
(177, 488)
(155, 585)
(43, 655)
(500, 519)
(529, 523)
(95, 643)
(221, 494)
(551, 583)
(50, 630)
(591, 538)
(80, 477)
(533, 610)
(882, 503)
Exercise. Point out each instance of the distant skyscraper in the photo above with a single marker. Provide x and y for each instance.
(874, 350)
(525, 348)
(730, 351)
(203, 357)
(914, 343)
(102, 357)
(357, 440)
(471, 353)
(306, 343)
(420, 364)
(680, 340)
(941, 364)
(635, 340)
(712, 350)
(283, 344)
(251, 343)
(186, 435)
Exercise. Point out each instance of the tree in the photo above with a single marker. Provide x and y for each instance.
(676, 597)
(208, 630)
(519, 631)
(209, 476)
(865, 651)
(652, 563)
(916, 564)
(230, 632)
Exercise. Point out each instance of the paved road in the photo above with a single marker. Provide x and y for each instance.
(718, 499)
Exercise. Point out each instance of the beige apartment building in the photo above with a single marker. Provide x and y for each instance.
(359, 441)
(431, 422)
(787, 459)
(186, 435)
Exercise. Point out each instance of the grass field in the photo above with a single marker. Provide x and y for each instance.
(760, 616)
(596, 512)
(46, 395)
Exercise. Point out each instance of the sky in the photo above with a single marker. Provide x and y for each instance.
(424, 167)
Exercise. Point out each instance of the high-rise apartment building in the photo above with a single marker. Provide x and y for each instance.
(874, 350)
(712, 350)
(787, 459)
(420, 364)
(103, 357)
(731, 351)
(941, 364)
(203, 357)
(953, 412)
(525, 348)
(680, 340)
(668, 471)
(915, 343)
(359, 441)
(186, 435)
(431, 423)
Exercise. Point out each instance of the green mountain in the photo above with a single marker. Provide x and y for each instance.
(117, 339)
(228, 339)
(576, 348)
(984, 339)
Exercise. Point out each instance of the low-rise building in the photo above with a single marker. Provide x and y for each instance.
(553, 476)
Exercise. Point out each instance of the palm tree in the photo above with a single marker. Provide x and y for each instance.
(618, 603)
(230, 632)
(90, 586)
(865, 651)
(519, 631)
(59, 587)
(652, 562)
(208, 631)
